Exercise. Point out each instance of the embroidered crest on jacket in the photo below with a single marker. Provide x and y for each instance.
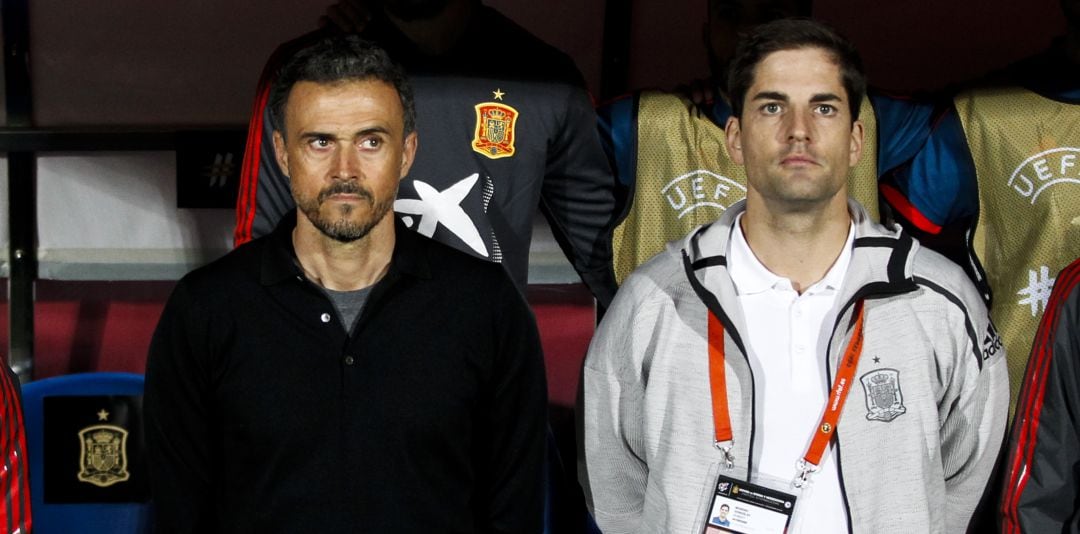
(495, 132)
(103, 455)
(884, 400)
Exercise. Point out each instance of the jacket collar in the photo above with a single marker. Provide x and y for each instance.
(881, 258)
(881, 264)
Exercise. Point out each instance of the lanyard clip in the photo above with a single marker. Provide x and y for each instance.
(805, 469)
(725, 447)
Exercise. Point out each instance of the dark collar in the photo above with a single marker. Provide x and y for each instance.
(279, 264)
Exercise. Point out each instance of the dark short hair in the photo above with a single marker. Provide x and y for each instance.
(794, 34)
(336, 59)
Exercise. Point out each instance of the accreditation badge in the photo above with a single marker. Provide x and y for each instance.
(749, 508)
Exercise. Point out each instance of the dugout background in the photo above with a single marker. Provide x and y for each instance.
(196, 62)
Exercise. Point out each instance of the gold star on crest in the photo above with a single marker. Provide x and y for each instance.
(103, 415)
(498, 94)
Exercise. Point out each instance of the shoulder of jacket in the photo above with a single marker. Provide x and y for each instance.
(221, 277)
(933, 271)
(653, 283)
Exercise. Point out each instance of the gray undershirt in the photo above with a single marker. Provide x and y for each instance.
(349, 304)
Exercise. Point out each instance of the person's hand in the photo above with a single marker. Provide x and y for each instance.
(349, 16)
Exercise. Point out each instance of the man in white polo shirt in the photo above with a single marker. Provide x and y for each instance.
(793, 361)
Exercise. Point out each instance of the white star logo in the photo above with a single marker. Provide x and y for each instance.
(443, 207)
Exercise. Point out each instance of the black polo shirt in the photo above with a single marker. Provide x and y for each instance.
(264, 415)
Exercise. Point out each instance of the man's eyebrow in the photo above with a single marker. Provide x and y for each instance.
(316, 135)
(359, 133)
(372, 130)
(771, 95)
(825, 97)
(816, 99)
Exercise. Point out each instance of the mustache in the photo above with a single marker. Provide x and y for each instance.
(346, 188)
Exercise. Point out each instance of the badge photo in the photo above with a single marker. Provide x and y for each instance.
(747, 508)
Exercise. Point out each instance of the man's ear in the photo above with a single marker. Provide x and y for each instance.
(733, 139)
(408, 155)
(856, 142)
(280, 154)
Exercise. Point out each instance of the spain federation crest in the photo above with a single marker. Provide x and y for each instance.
(103, 455)
(494, 136)
(884, 400)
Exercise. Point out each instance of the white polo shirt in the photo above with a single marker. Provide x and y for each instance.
(786, 339)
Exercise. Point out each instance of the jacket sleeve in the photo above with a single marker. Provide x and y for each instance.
(578, 196)
(974, 409)
(611, 438)
(925, 161)
(1042, 487)
(14, 471)
(265, 194)
(927, 177)
(178, 421)
(512, 454)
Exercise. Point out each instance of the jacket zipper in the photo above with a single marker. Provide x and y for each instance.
(868, 292)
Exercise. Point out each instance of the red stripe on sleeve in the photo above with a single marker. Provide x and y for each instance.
(15, 482)
(1029, 410)
(249, 172)
(908, 210)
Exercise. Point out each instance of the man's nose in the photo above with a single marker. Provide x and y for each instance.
(799, 126)
(346, 164)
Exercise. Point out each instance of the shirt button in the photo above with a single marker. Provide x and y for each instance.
(349, 360)
(325, 317)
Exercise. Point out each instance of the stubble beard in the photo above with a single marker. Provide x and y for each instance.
(793, 197)
(807, 192)
(339, 226)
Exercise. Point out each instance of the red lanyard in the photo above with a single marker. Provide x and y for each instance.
(827, 427)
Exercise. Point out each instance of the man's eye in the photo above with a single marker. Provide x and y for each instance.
(826, 109)
(371, 142)
(320, 142)
(771, 108)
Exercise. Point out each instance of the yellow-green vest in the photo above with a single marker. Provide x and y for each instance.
(685, 178)
(1026, 149)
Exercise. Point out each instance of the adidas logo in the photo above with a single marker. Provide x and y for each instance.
(991, 343)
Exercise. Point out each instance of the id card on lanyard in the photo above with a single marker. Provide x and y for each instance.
(767, 506)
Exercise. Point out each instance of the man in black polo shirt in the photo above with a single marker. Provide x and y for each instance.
(344, 374)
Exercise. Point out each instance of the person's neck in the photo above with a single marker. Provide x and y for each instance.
(343, 266)
(800, 245)
(437, 35)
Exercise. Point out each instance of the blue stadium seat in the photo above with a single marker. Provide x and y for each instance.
(88, 428)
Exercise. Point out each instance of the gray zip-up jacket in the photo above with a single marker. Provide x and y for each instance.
(918, 435)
